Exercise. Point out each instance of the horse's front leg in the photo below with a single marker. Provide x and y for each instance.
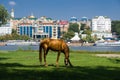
(57, 59)
(45, 54)
(70, 63)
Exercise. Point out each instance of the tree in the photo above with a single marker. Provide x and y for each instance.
(83, 26)
(116, 27)
(14, 31)
(87, 31)
(4, 16)
(25, 37)
(68, 35)
(74, 27)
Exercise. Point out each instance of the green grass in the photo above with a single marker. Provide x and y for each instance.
(24, 65)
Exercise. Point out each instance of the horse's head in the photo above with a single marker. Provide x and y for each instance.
(66, 61)
(66, 52)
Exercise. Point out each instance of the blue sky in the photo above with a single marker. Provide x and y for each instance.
(64, 9)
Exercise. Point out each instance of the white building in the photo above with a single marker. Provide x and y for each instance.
(12, 13)
(5, 29)
(101, 27)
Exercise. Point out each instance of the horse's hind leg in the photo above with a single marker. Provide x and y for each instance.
(57, 59)
(40, 55)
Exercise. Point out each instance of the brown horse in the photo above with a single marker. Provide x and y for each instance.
(54, 45)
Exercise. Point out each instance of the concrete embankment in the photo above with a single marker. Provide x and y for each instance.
(69, 44)
(80, 44)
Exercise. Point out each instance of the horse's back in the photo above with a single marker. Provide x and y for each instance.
(45, 40)
(48, 40)
(54, 44)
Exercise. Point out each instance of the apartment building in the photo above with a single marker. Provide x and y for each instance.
(46, 27)
(26, 27)
(101, 27)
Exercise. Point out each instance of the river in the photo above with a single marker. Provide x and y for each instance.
(83, 48)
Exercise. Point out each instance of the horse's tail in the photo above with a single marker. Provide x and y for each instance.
(40, 54)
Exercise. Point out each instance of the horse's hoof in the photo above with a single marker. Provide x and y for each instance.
(57, 66)
(41, 64)
(51, 65)
(45, 65)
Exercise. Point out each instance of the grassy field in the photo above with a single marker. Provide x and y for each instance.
(24, 65)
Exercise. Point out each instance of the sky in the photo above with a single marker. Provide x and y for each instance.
(64, 9)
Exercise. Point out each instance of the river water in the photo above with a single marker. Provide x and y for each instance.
(83, 48)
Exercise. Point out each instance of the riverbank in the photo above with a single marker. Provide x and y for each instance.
(2, 43)
(19, 43)
(74, 48)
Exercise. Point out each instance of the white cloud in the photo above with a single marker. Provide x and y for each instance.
(12, 3)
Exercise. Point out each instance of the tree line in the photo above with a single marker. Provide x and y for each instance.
(13, 36)
(116, 27)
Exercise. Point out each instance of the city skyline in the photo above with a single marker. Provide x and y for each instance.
(64, 9)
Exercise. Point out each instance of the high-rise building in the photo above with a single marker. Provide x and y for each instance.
(47, 28)
(101, 26)
(64, 25)
(26, 27)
